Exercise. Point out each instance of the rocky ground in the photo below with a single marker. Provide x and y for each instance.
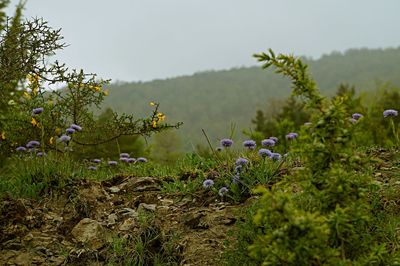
(115, 222)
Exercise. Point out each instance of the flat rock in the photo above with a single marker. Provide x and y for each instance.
(128, 224)
(141, 184)
(114, 189)
(149, 207)
(90, 232)
(112, 218)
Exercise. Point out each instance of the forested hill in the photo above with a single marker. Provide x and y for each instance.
(214, 99)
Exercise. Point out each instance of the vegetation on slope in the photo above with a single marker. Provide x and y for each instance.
(234, 96)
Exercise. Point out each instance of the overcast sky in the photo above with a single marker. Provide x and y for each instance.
(133, 40)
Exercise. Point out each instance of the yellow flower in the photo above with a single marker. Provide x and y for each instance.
(96, 88)
(161, 116)
(51, 141)
(3, 135)
(105, 93)
(26, 95)
(154, 124)
(33, 78)
(57, 131)
(34, 122)
(33, 82)
(152, 103)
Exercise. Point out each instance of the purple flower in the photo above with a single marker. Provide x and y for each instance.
(390, 112)
(70, 130)
(131, 160)
(352, 120)
(274, 139)
(96, 160)
(92, 168)
(208, 183)
(32, 144)
(268, 142)
(250, 144)
(291, 136)
(124, 155)
(226, 142)
(76, 127)
(37, 111)
(223, 191)
(41, 154)
(141, 159)
(238, 169)
(264, 153)
(356, 116)
(242, 161)
(20, 148)
(275, 156)
(64, 138)
(124, 159)
(235, 179)
(112, 163)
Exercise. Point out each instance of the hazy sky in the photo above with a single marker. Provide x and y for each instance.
(134, 40)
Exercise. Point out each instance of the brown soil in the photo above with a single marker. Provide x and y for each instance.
(78, 225)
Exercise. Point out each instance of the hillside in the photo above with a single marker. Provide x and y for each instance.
(233, 96)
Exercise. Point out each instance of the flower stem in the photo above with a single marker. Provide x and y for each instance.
(394, 132)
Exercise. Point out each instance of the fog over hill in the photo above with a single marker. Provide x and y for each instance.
(213, 100)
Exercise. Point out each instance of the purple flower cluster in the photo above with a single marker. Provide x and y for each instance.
(124, 159)
(226, 143)
(275, 156)
(41, 154)
(264, 153)
(73, 128)
(37, 111)
(390, 113)
(223, 191)
(208, 183)
(291, 136)
(356, 116)
(76, 127)
(250, 144)
(141, 160)
(32, 144)
(238, 169)
(274, 139)
(112, 163)
(131, 160)
(64, 138)
(242, 161)
(268, 142)
(70, 131)
(20, 148)
(92, 168)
